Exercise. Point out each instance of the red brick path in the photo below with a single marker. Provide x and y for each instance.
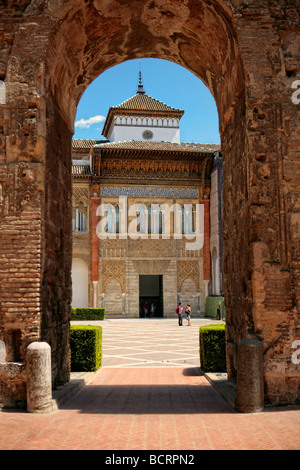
(150, 409)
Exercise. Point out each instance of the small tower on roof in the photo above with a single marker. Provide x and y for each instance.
(142, 118)
(140, 89)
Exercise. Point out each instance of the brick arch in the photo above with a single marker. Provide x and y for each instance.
(247, 55)
(178, 31)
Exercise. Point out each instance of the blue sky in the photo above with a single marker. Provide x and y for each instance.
(162, 80)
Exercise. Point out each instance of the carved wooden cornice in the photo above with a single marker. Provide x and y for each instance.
(153, 168)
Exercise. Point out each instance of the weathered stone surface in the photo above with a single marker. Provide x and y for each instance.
(248, 55)
(38, 374)
(12, 384)
(250, 376)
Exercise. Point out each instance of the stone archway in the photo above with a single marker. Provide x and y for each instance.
(247, 54)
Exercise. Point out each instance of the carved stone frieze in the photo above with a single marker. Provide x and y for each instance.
(80, 191)
(188, 269)
(18, 186)
(122, 167)
(113, 269)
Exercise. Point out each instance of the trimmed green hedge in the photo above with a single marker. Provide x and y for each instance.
(212, 348)
(86, 348)
(211, 304)
(88, 314)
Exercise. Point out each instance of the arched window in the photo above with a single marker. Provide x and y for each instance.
(81, 225)
(155, 219)
(79, 221)
(112, 219)
(142, 222)
(188, 218)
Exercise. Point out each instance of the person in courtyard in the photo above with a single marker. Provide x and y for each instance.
(152, 310)
(146, 309)
(179, 310)
(218, 313)
(188, 314)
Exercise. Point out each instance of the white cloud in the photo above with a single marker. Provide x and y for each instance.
(86, 123)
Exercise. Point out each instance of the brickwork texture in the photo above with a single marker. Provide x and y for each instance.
(247, 53)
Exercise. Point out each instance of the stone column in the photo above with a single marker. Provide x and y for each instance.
(206, 245)
(250, 376)
(206, 292)
(38, 375)
(206, 248)
(95, 240)
(95, 292)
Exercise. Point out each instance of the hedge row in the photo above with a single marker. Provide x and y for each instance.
(86, 348)
(88, 314)
(212, 348)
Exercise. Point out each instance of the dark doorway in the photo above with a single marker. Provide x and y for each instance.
(151, 293)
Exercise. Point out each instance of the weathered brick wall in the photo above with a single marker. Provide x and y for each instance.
(269, 179)
(248, 55)
(35, 178)
(57, 244)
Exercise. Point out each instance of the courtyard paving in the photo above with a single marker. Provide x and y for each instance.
(150, 395)
(151, 343)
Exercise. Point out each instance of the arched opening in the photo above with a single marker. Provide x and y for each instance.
(76, 56)
(213, 76)
(165, 83)
(44, 80)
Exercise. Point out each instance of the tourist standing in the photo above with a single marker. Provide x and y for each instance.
(152, 309)
(188, 314)
(146, 309)
(179, 310)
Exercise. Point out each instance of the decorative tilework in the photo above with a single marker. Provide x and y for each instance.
(149, 192)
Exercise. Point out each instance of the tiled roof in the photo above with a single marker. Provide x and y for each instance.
(143, 102)
(84, 143)
(139, 104)
(144, 145)
(214, 147)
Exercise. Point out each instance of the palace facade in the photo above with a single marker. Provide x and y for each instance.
(147, 214)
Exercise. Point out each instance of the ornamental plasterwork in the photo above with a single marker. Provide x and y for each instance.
(148, 248)
(18, 187)
(151, 266)
(149, 192)
(80, 191)
(156, 167)
(113, 269)
(187, 269)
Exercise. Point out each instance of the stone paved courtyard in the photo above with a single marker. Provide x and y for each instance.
(150, 395)
(151, 343)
